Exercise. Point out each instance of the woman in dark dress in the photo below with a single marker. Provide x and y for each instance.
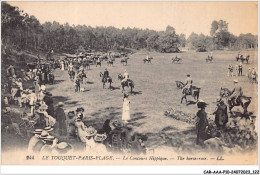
(202, 124)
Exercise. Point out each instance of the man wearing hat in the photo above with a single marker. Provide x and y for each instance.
(60, 117)
(34, 140)
(126, 76)
(50, 143)
(100, 148)
(237, 91)
(105, 75)
(202, 123)
(188, 84)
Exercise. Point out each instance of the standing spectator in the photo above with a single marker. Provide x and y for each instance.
(240, 68)
(60, 117)
(249, 73)
(106, 127)
(202, 124)
(126, 109)
(77, 84)
(11, 71)
(32, 100)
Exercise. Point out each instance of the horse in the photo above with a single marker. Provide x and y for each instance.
(110, 62)
(209, 59)
(126, 83)
(221, 116)
(176, 60)
(179, 84)
(72, 74)
(81, 76)
(195, 94)
(243, 59)
(98, 63)
(242, 101)
(106, 80)
(149, 60)
(86, 64)
(124, 60)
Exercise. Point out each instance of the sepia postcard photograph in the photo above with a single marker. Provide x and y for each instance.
(129, 83)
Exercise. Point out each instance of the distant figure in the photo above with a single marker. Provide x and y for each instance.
(126, 109)
(240, 68)
(230, 70)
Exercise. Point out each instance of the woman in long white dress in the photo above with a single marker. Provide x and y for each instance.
(126, 109)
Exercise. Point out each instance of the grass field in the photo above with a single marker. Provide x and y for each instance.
(155, 91)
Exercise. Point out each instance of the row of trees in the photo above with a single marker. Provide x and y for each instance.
(221, 38)
(23, 31)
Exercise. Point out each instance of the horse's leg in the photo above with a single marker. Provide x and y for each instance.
(103, 85)
(131, 89)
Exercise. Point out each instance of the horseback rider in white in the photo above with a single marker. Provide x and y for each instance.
(188, 84)
(147, 57)
(237, 92)
(126, 77)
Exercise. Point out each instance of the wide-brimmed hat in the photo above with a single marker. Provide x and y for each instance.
(80, 109)
(43, 107)
(48, 93)
(63, 147)
(37, 131)
(90, 131)
(44, 134)
(60, 104)
(43, 87)
(48, 129)
(100, 137)
(188, 75)
(49, 138)
(235, 81)
(118, 124)
(201, 103)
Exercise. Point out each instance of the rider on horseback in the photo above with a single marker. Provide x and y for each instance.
(147, 58)
(126, 77)
(105, 75)
(188, 84)
(236, 93)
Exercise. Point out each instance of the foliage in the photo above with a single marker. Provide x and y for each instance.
(23, 31)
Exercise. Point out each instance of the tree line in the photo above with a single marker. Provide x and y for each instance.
(24, 32)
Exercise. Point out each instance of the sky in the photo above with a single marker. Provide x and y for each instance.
(185, 17)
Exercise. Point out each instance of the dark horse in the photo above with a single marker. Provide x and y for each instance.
(179, 84)
(124, 61)
(240, 101)
(72, 74)
(98, 63)
(176, 60)
(195, 94)
(221, 116)
(243, 59)
(110, 62)
(149, 60)
(86, 64)
(106, 80)
(126, 83)
(209, 59)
